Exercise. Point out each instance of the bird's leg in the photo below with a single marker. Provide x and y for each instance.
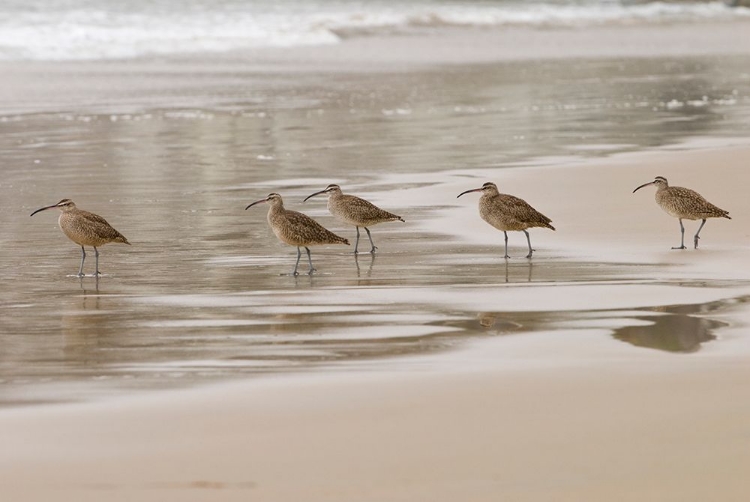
(97, 274)
(309, 260)
(356, 243)
(372, 251)
(299, 254)
(528, 239)
(83, 258)
(682, 238)
(695, 240)
(506, 245)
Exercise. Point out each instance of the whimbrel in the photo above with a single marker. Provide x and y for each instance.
(508, 213)
(297, 229)
(85, 229)
(683, 203)
(355, 211)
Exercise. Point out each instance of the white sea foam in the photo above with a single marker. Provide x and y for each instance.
(88, 29)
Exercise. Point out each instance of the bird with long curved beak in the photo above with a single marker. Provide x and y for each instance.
(508, 213)
(684, 204)
(85, 229)
(355, 211)
(296, 229)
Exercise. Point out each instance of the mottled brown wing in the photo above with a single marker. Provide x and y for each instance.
(366, 212)
(689, 202)
(300, 230)
(522, 211)
(101, 226)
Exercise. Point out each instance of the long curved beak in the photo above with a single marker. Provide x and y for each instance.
(644, 185)
(313, 195)
(256, 202)
(43, 209)
(469, 191)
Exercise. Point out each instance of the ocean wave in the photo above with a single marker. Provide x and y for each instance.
(82, 29)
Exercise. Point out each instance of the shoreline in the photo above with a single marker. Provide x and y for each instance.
(472, 419)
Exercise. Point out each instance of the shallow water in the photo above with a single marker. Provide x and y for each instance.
(202, 293)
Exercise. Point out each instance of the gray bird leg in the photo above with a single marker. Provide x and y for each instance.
(695, 240)
(372, 251)
(682, 237)
(506, 245)
(356, 243)
(309, 260)
(83, 258)
(97, 274)
(299, 254)
(528, 239)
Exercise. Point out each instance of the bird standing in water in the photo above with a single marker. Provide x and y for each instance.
(297, 229)
(683, 203)
(355, 211)
(508, 213)
(85, 229)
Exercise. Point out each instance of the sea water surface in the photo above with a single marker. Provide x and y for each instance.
(104, 29)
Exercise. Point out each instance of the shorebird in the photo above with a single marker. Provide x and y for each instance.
(297, 229)
(85, 229)
(508, 213)
(683, 203)
(355, 211)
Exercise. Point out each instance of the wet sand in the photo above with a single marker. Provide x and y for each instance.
(607, 367)
(548, 404)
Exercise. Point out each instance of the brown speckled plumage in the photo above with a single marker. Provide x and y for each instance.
(508, 213)
(684, 204)
(85, 229)
(88, 229)
(297, 229)
(355, 211)
(687, 204)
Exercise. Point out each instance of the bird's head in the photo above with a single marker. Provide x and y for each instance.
(273, 199)
(659, 181)
(64, 205)
(331, 189)
(488, 188)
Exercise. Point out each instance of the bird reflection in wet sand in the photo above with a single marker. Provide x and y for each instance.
(85, 326)
(85, 291)
(496, 321)
(670, 332)
(85, 229)
(369, 267)
(528, 268)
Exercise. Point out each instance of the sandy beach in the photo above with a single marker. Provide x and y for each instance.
(607, 367)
